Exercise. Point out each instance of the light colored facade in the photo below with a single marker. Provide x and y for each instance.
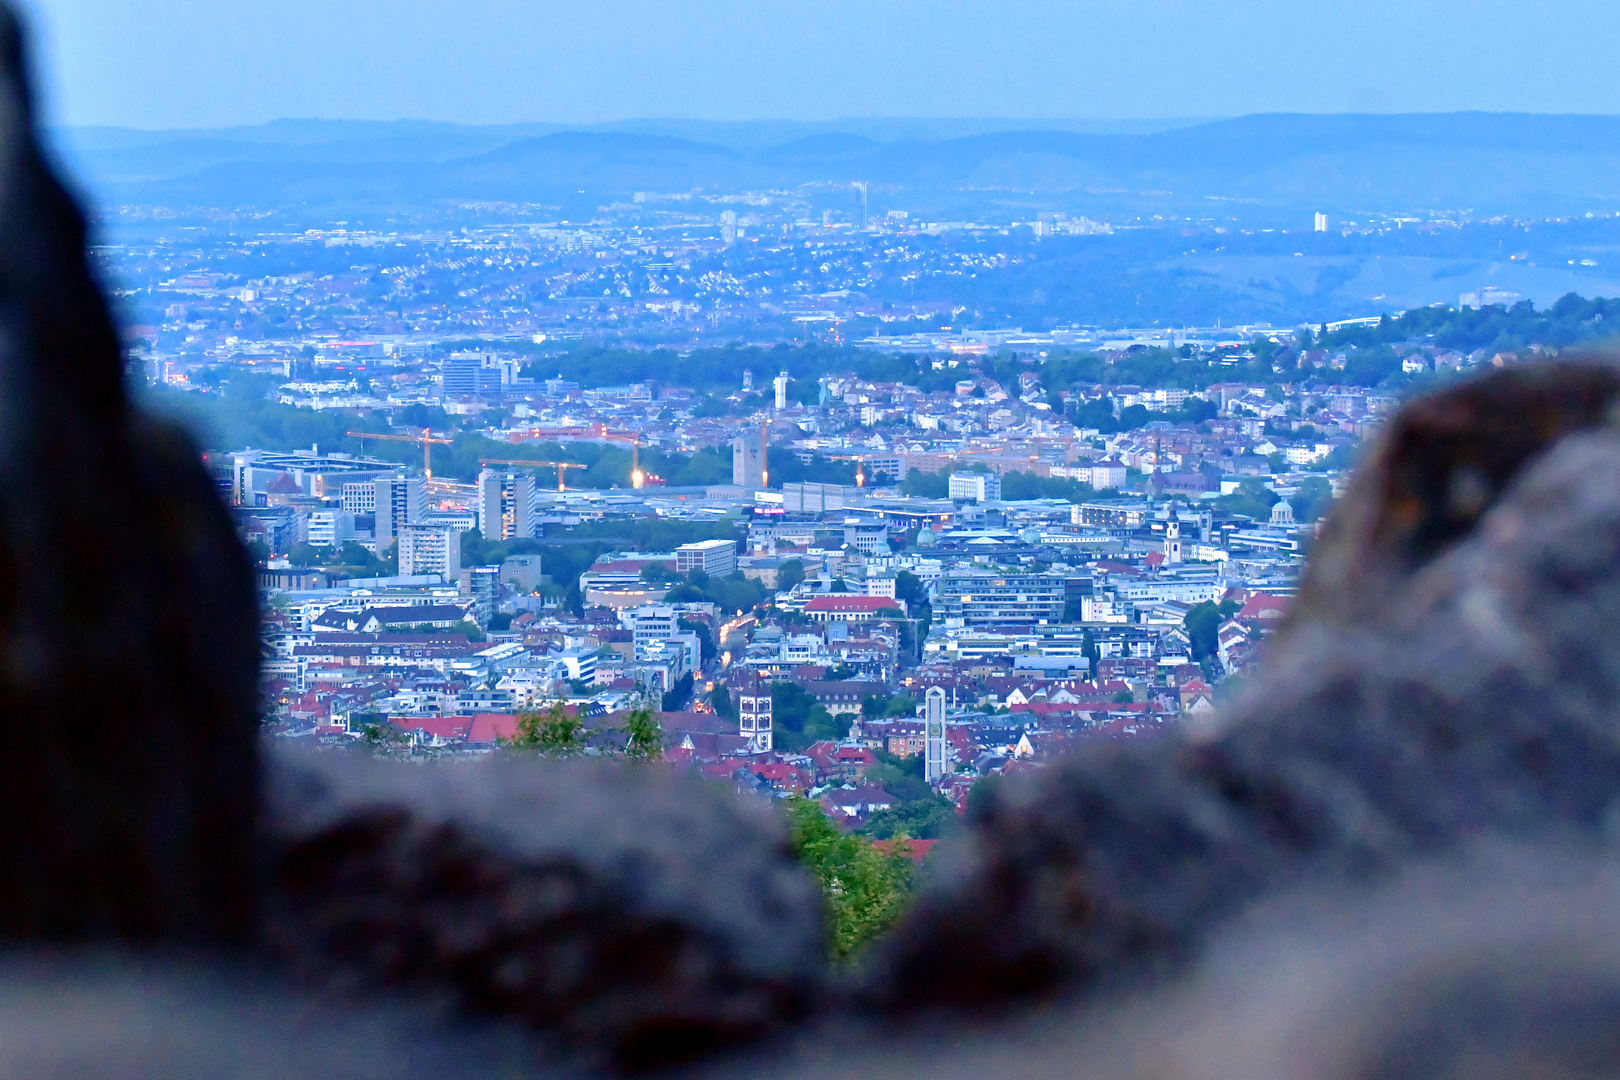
(748, 462)
(717, 558)
(397, 502)
(936, 754)
(880, 586)
(754, 717)
(815, 498)
(650, 622)
(430, 549)
(505, 505)
(981, 487)
(329, 528)
(968, 599)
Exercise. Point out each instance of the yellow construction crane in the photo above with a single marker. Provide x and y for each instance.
(426, 439)
(562, 467)
(638, 479)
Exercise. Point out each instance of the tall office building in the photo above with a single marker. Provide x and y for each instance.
(397, 501)
(483, 584)
(748, 461)
(470, 374)
(780, 383)
(430, 549)
(505, 505)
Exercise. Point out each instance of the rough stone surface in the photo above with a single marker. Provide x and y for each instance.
(640, 916)
(1498, 962)
(1453, 672)
(124, 1016)
(128, 630)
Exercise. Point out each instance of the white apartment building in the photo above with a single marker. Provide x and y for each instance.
(430, 549)
(880, 586)
(652, 622)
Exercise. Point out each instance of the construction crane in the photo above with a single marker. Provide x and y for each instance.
(638, 479)
(426, 439)
(562, 467)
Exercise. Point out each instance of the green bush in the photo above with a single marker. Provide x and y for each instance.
(865, 890)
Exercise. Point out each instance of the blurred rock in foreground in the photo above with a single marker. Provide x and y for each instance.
(128, 629)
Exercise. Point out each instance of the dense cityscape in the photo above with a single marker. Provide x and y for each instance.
(870, 577)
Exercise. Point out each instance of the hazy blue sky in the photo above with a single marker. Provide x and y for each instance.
(195, 63)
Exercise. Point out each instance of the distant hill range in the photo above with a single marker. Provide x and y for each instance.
(1484, 162)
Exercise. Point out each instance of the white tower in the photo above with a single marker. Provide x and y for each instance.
(1172, 539)
(781, 384)
(754, 715)
(934, 760)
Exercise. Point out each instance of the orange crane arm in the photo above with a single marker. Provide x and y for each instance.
(426, 439)
(562, 467)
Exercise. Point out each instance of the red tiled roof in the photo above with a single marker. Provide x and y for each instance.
(915, 850)
(486, 727)
(1262, 606)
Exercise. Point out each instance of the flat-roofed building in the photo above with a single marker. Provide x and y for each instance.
(430, 549)
(717, 558)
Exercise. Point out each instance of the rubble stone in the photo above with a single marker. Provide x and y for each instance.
(640, 916)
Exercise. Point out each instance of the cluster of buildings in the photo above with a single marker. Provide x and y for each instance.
(1039, 563)
(1029, 624)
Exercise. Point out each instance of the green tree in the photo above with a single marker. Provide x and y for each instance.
(706, 646)
(1202, 624)
(644, 736)
(553, 733)
(928, 818)
(789, 574)
(865, 891)
(678, 695)
(926, 485)
(306, 555)
(1313, 499)
(909, 587)
(1252, 499)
